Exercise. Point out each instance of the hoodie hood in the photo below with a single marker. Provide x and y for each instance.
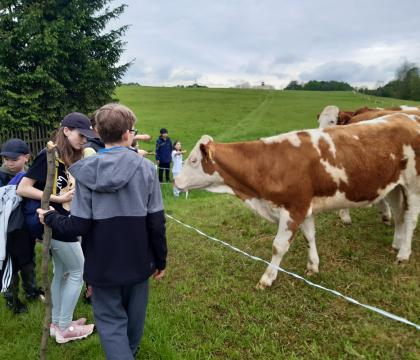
(108, 171)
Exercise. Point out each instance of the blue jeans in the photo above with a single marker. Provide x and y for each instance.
(67, 281)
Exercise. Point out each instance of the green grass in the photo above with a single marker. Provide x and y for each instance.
(207, 307)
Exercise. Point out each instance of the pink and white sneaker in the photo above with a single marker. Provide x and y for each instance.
(54, 327)
(73, 332)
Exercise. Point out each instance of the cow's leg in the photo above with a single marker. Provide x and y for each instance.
(385, 211)
(345, 216)
(397, 203)
(410, 221)
(280, 246)
(308, 229)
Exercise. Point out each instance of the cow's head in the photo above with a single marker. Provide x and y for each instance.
(198, 171)
(328, 116)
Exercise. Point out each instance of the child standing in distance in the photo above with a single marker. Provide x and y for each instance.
(20, 244)
(66, 249)
(117, 208)
(177, 163)
(163, 154)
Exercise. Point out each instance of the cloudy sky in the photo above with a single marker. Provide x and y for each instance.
(222, 43)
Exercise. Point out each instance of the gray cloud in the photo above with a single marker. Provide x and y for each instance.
(245, 40)
(350, 71)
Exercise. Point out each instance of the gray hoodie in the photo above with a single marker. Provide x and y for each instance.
(118, 208)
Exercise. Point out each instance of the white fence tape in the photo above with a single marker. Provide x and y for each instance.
(334, 292)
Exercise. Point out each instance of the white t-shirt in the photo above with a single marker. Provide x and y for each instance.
(177, 162)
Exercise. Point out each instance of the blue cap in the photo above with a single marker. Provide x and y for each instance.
(80, 122)
(13, 148)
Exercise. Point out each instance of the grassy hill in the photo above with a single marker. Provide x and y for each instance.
(207, 307)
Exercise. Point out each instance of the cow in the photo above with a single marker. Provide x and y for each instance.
(332, 116)
(289, 178)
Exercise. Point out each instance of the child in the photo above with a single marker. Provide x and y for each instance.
(66, 249)
(163, 154)
(117, 208)
(177, 161)
(93, 144)
(20, 244)
(15, 153)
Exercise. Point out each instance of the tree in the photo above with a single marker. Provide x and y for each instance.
(55, 57)
(293, 85)
(406, 85)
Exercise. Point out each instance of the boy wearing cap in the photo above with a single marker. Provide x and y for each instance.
(15, 153)
(163, 154)
(21, 245)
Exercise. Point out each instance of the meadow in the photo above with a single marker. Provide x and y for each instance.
(207, 306)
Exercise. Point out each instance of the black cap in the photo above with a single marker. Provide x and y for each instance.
(80, 122)
(13, 148)
(163, 131)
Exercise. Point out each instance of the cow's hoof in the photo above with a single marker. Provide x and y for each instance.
(310, 272)
(386, 221)
(401, 261)
(261, 285)
(346, 221)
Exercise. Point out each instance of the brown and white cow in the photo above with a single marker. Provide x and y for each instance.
(290, 177)
(331, 116)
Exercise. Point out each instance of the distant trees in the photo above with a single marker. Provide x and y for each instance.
(195, 85)
(315, 85)
(56, 57)
(406, 84)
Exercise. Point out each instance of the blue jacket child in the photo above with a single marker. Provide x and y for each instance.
(163, 148)
(164, 154)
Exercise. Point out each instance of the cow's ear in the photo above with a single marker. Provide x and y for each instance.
(204, 151)
(207, 151)
(343, 119)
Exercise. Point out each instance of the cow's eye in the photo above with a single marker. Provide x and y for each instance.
(193, 160)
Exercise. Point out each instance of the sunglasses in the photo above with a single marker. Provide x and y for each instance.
(134, 131)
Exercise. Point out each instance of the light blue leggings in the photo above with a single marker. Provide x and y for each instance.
(67, 281)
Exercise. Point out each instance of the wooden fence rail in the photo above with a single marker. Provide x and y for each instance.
(36, 138)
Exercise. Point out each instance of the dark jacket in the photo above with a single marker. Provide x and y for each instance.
(164, 150)
(117, 208)
(5, 176)
(94, 143)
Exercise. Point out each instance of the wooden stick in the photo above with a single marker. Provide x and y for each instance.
(45, 205)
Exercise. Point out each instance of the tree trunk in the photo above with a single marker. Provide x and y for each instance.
(45, 205)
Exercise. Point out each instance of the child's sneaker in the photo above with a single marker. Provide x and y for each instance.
(73, 332)
(53, 327)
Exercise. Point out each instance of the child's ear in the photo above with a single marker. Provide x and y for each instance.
(125, 135)
(27, 156)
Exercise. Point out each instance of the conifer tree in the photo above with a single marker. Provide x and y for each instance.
(56, 57)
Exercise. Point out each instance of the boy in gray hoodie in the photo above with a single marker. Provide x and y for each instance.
(117, 208)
